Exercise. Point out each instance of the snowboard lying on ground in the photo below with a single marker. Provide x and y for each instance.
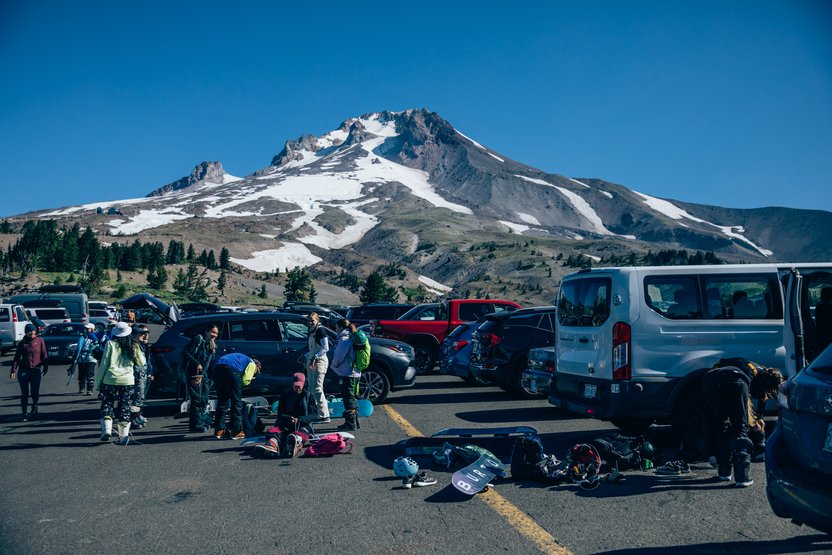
(336, 408)
(493, 439)
(476, 476)
(258, 440)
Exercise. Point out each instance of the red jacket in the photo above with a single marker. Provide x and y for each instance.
(30, 354)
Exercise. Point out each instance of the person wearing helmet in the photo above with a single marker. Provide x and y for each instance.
(29, 365)
(85, 361)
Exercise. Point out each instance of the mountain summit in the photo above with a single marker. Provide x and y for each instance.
(408, 188)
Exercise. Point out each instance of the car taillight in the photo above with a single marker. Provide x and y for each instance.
(83, 318)
(459, 344)
(783, 397)
(491, 338)
(14, 316)
(621, 351)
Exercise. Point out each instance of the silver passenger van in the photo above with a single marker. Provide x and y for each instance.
(633, 342)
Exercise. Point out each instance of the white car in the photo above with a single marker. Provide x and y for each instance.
(101, 318)
(13, 320)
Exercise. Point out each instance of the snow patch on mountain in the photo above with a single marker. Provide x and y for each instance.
(285, 258)
(496, 157)
(675, 213)
(581, 183)
(469, 139)
(435, 286)
(528, 218)
(516, 228)
(581, 206)
(146, 219)
(606, 194)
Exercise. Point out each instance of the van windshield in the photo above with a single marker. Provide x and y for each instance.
(584, 302)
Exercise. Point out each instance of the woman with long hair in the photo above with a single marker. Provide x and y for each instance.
(196, 361)
(29, 365)
(115, 381)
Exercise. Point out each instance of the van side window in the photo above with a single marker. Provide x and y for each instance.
(742, 297)
(295, 331)
(4, 315)
(673, 297)
(254, 330)
(584, 301)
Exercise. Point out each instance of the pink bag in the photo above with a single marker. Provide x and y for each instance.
(329, 445)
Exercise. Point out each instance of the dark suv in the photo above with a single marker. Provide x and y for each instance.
(278, 340)
(361, 315)
(500, 346)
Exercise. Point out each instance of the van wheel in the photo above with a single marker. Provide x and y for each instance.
(632, 426)
(689, 423)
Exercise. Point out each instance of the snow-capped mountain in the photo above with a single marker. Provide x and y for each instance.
(382, 186)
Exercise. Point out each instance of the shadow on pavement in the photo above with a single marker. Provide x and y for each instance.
(798, 544)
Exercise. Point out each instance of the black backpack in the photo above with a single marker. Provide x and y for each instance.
(622, 451)
(526, 457)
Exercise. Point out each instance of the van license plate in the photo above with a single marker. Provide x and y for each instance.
(590, 390)
(827, 443)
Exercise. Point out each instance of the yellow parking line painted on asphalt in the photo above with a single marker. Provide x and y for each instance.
(519, 520)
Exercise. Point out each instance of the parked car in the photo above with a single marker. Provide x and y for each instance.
(101, 319)
(500, 346)
(455, 354)
(57, 315)
(13, 320)
(279, 341)
(537, 376)
(425, 326)
(799, 452)
(189, 310)
(62, 340)
(327, 317)
(362, 315)
(38, 323)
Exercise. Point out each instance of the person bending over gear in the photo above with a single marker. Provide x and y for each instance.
(231, 373)
(730, 386)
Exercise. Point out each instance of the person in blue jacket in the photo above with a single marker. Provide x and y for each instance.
(231, 373)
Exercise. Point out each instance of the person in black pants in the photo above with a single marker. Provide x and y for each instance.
(231, 373)
(196, 360)
(729, 389)
(30, 363)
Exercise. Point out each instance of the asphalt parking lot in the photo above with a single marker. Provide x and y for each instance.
(170, 491)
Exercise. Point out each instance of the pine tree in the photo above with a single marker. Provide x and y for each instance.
(375, 290)
(221, 282)
(262, 294)
(298, 285)
(191, 253)
(225, 259)
(211, 261)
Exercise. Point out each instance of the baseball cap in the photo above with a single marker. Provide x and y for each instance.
(299, 379)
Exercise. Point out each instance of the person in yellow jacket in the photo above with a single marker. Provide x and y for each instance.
(115, 382)
(232, 372)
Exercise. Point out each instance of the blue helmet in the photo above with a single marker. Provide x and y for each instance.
(405, 467)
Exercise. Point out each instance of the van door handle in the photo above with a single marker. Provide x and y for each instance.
(583, 340)
(289, 350)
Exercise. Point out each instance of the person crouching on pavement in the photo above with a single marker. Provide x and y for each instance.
(115, 381)
(343, 364)
(730, 388)
(29, 365)
(316, 365)
(232, 372)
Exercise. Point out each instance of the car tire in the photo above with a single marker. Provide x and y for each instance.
(688, 421)
(516, 380)
(424, 358)
(374, 385)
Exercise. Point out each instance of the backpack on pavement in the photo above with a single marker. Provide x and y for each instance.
(526, 458)
(329, 445)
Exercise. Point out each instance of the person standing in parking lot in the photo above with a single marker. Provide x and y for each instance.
(317, 364)
(140, 375)
(343, 364)
(115, 381)
(197, 358)
(86, 361)
(29, 365)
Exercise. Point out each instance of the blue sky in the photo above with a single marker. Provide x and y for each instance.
(726, 102)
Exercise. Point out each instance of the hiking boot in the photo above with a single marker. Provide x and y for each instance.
(238, 435)
(422, 479)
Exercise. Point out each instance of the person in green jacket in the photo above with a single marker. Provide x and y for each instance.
(115, 381)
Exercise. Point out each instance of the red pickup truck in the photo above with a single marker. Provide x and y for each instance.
(425, 326)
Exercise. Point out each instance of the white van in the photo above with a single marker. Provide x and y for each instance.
(13, 320)
(50, 315)
(633, 342)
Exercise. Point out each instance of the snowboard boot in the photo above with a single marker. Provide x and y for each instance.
(350, 421)
(742, 469)
(123, 433)
(106, 428)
